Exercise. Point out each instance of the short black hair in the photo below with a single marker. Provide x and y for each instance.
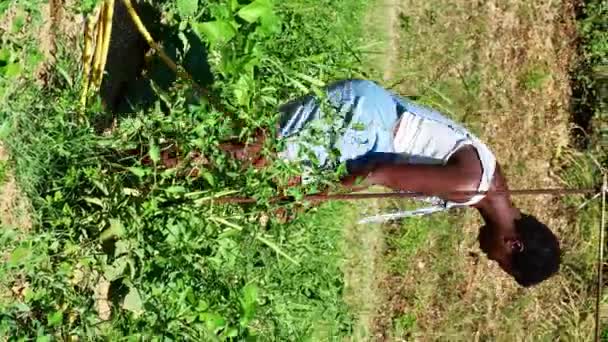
(540, 255)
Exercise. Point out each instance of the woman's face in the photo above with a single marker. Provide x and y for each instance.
(492, 243)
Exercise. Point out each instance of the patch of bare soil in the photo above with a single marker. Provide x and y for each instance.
(46, 41)
(60, 26)
(13, 207)
(391, 14)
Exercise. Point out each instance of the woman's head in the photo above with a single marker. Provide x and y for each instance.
(530, 252)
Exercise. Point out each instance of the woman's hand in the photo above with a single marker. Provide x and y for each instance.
(356, 181)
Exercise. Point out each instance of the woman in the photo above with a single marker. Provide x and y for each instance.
(387, 140)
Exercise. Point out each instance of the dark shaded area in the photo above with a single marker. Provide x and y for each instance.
(109, 247)
(117, 292)
(582, 106)
(589, 90)
(126, 53)
(129, 74)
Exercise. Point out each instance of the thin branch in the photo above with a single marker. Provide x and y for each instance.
(363, 196)
(600, 262)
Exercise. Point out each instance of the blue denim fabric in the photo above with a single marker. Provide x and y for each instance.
(365, 117)
(363, 122)
(361, 129)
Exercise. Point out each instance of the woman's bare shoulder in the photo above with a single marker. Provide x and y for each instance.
(467, 160)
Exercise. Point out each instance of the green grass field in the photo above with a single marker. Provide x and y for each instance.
(99, 244)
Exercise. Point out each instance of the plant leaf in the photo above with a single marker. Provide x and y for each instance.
(231, 332)
(44, 338)
(131, 192)
(93, 200)
(250, 294)
(234, 5)
(133, 302)
(209, 178)
(117, 269)
(10, 70)
(175, 189)
(55, 318)
(312, 80)
(154, 152)
(213, 321)
(116, 230)
(5, 56)
(242, 91)
(5, 129)
(101, 187)
(187, 8)
(19, 255)
(138, 171)
(218, 31)
(255, 10)
(270, 24)
(248, 303)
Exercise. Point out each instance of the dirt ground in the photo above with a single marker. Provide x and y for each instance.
(503, 68)
(13, 207)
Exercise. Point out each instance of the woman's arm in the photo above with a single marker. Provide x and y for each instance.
(461, 173)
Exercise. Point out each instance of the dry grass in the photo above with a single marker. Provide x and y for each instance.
(364, 244)
(363, 271)
(502, 67)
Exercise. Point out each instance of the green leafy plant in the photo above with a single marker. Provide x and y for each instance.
(124, 245)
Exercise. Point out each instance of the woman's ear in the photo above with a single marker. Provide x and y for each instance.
(515, 245)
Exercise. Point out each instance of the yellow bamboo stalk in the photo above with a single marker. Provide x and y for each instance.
(98, 46)
(87, 57)
(107, 34)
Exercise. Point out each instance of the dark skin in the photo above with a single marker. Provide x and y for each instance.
(498, 238)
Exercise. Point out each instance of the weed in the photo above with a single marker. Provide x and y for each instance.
(589, 77)
(405, 324)
(3, 171)
(534, 77)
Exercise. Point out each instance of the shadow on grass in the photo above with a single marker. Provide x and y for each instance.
(132, 80)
